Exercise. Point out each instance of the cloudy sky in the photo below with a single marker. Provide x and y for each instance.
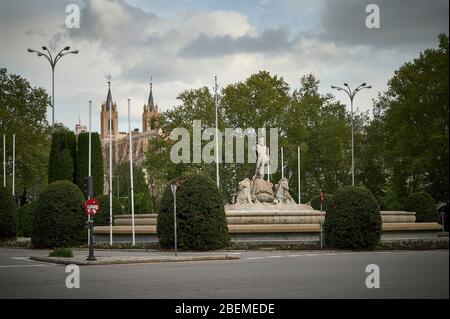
(184, 43)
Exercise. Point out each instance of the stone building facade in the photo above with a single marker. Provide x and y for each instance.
(120, 140)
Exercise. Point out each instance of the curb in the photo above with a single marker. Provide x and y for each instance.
(134, 260)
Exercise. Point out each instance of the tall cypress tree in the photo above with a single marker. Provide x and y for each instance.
(72, 146)
(83, 161)
(61, 163)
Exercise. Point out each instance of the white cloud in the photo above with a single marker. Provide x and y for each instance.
(131, 44)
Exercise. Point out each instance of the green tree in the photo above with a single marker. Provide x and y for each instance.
(60, 164)
(96, 163)
(321, 127)
(23, 112)
(123, 173)
(72, 147)
(414, 114)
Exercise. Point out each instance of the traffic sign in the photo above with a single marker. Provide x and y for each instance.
(91, 206)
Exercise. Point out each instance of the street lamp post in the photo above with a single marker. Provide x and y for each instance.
(53, 62)
(351, 94)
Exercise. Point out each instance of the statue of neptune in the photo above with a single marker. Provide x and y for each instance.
(262, 158)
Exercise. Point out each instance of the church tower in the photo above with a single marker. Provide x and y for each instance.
(104, 115)
(150, 113)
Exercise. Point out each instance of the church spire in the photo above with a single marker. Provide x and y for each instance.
(150, 104)
(109, 96)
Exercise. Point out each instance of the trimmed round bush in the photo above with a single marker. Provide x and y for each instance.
(59, 219)
(424, 206)
(201, 221)
(102, 217)
(354, 220)
(327, 202)
(8, 221)
(25, 218)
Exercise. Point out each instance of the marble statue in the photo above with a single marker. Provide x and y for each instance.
(262, 159)
(282, 193)
(244, 196)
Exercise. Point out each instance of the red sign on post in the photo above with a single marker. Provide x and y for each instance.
(321, 197)
(91, 206)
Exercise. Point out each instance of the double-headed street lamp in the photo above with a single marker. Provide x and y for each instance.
(53, 62)
(351, 94)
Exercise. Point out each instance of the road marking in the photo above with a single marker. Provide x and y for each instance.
(26, 266)
(32, 261)
(275, 256)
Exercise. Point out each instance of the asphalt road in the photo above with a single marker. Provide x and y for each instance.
(258, 274)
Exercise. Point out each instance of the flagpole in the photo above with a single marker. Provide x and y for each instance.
(131, 175)
(282, 164)
(4, 160)
(110, 171)
(298, 164)
(14, 166)
(217, 132)
(89, 169)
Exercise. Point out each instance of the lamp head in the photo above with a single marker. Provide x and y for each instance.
(44, 48)
(66, 48)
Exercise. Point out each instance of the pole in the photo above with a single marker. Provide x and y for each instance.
(53, 98)
(4, 160)
(89, 181)
(217, 132)
(110, 173)
(298, 164)
(14, 166)
(131, 176)
(282, 164)
(90, 138)
(268, 165)
(353, 150)
(174, 192)
(321, 245)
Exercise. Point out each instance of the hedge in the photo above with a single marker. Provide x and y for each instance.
(25, 218)
(424, 206)
(201, 221)
(59, 218)
(354, 220)
(8, 219)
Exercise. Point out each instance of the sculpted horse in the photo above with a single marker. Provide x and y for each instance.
(282, 193)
